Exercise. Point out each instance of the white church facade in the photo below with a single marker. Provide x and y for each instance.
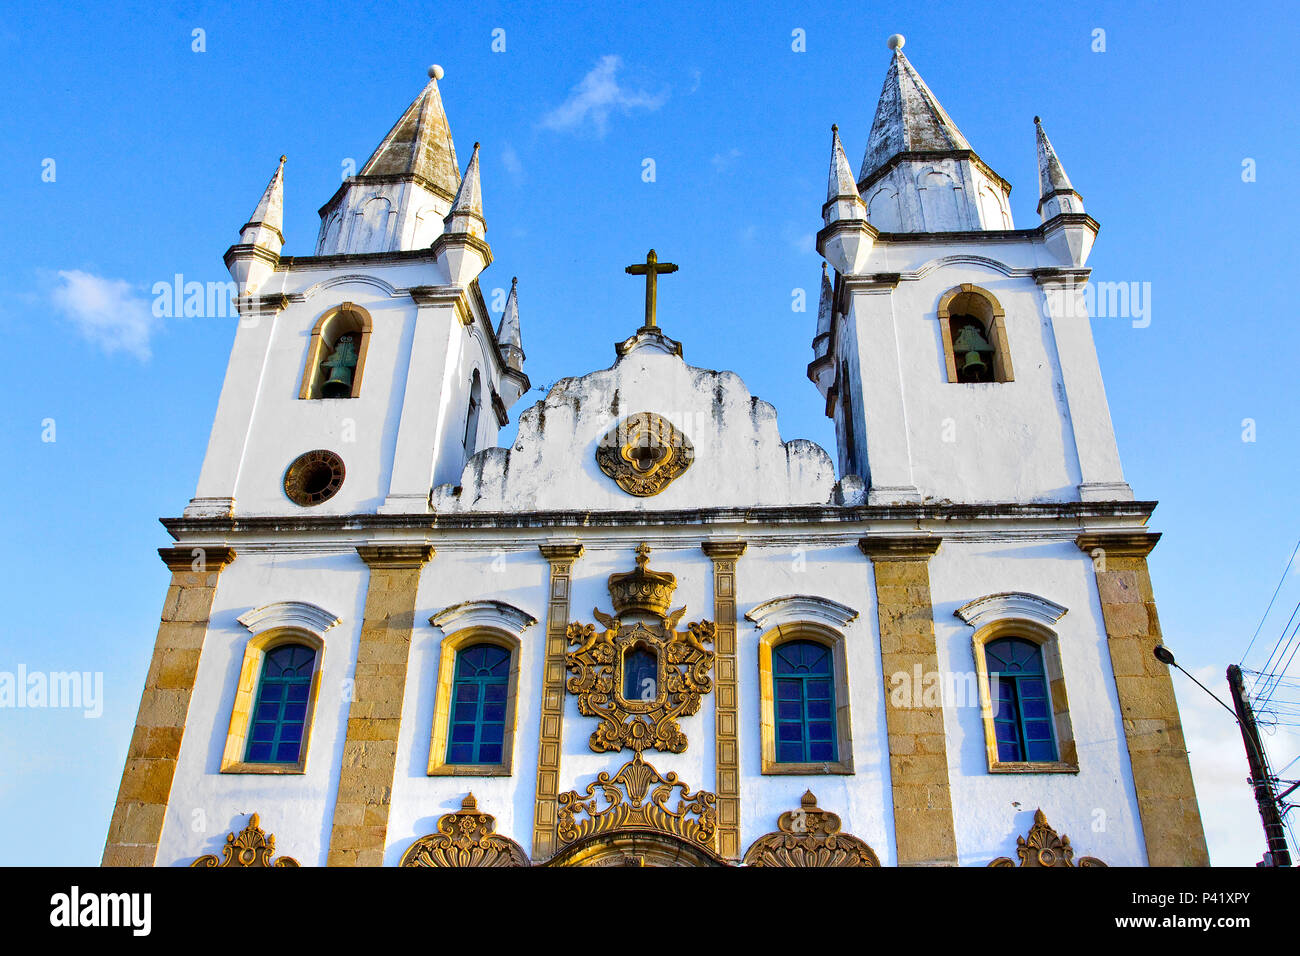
(652, 631)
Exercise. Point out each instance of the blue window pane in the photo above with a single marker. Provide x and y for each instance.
(1008, 750)
(482, 676)
(821, 751)
(1034, 708)
(259, 753)
(264, 732)
(295, 714)
(788, 710)
(297, 692)
(804, 702)
(287, 752)
(1022, 705)
(268, 710)
(1042, 750)
(789, 753)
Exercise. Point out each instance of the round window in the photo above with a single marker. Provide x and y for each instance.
(313, 477)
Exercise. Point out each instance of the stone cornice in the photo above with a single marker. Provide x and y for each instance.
(1122, 544)
(300, 614)
(496, 614)
(800, 607)
(723, 548)
(1066, 511)
(395, 555)
(197, 559)
(903, 547)
(872, 282)
(561, 551)
(335, 260)
(1067, 277)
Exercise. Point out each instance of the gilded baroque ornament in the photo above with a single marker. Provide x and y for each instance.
(809, 836)
(639, 678)
(250, 847)
(1045, 848)
(465, 839)
(644, 454)
(636, 798)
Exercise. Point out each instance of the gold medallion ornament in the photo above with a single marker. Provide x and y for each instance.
(637, 798)
(465, 839)
(1045, 848)
(640, 677)
(644, 454)
(249, 848)
(809, 836)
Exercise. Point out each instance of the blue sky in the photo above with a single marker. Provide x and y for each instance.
(161, 152)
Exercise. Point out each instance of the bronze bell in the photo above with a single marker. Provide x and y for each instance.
(341, 364)
(972, 346)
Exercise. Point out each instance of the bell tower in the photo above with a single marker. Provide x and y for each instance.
(954, 350)
(363, 375)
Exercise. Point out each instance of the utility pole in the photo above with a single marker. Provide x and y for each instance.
(1265, 796)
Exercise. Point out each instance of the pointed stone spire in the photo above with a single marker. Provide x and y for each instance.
(821, 370)
(264, 228)
(909, 117)
(824, 305)
(404, 191)
(419, 146)
(508, 338)
(466, 214)
(919, 174)
(253, 259)
(1056, 192)
(841, 184)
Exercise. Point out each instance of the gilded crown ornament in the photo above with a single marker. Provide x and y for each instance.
(642, 591)
(809, 836)
(638, 678)
(466, 838)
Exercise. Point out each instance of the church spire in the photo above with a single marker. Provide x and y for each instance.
(419, 146)
(461, 248)
(919, 173)
(405, 189)
(841, 184)
(824, 312)
(909, 118)
(265, 227)
(467, 209)
(253, 259)
(1056, 192)
(512, 346)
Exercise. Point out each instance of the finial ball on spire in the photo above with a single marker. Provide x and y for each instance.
(896, 41)
(282, 157)
(436, 72)
(1037, 121)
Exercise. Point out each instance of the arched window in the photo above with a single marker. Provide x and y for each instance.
(1021, 704)
(478, 705)
(470, 440)
(336, 355)
(640, 674)
(804, 675)
(280, 714)
(973, 329)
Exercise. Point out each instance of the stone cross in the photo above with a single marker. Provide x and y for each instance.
(652, 268)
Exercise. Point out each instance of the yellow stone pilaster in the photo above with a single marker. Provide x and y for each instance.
(724, 555)
(137, 822)
(1162, 776)
(375, 715)
(546, 812)
(918, 754)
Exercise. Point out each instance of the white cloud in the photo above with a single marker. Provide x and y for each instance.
(510, 160)
(107, 312)
(724, 161)
(591, 102)
(1218, 758)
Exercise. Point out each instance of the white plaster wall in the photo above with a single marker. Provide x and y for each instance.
(513, 572)
(206, 804)
(863, 800)
(991, 810)
(739, 456)
(1010, 441)
(363, 431)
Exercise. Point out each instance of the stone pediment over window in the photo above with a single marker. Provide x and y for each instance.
(737, 457)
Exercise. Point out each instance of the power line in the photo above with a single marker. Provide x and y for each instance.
(1280, 582)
